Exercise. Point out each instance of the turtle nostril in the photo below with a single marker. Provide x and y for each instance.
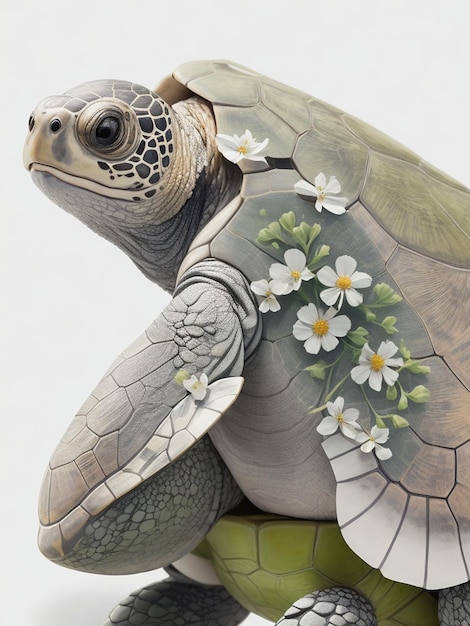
(31, 123)
(55, 125)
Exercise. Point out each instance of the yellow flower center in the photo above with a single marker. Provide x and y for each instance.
(320, 327)
(344, 282)
(321, 194)
(242, 149)
(295, 274)
(269, 293)
(377, 362)
(340, 417)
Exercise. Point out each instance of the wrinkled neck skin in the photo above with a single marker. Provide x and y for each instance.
(156, 233)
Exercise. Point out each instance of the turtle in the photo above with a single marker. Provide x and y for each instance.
(312, 363)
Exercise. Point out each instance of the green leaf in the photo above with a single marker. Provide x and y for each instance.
(262, 212)
(388, 324)
(358, 336)
(406, 354)
(385, 295)
(320, 253)
(270, 233)
(305, 235)
(398, 421)
(318, 369)
(415, 367)
(403, 402)
(370, 317)
(419, 394)
(287, 221)
(391, 393)
(379, 421)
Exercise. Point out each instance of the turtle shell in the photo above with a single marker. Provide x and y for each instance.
(268, 563)
(408, 226)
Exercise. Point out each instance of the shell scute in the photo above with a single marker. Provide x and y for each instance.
(407, 203)
(408, 226)
(295, 557)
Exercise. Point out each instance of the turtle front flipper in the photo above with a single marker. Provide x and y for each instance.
(134, 466)
(330, 607)
(172, 602)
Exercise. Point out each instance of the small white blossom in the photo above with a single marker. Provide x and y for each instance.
(320, 330)
(197, 386)
(343, 282)
(287, 278)
(264, 288)
(377, 366)
(235, 148)
(325, 193)
(373, 441)
(346, 420)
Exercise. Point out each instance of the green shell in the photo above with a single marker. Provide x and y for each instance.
(268, 563)
(408, 226)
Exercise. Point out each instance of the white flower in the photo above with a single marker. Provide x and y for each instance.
(337, 418)
(375, 366)
(373, 441)
(197, 386)
(289, 277)
(235, 148)
(320, 329)
(264, 288)
(344, 282)
(324, 192)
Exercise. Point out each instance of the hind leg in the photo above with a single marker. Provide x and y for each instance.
(330, 607)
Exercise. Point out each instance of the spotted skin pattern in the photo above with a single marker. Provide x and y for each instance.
(152, 156)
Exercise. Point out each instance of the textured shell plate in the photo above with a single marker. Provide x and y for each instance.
(268, 563)
(407, 225)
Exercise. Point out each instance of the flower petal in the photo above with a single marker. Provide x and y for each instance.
(328, 425)
(390, 376)
(333, 185)
(295, 259)
(302, 331)
(320, 180)
(368, 446)
(383, 453)
(330, 295)
(308, 314)
(345, 265)
(387, 349)
(375, 380)
(337, 206)
(304, 188)
(360, 373)
(329, 342)
(361, 280)
(340, 326)
(327, 276)
(348, 430)
(353, 297)
(313, 344)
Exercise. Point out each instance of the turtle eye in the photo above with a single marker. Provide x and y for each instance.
(108, 128)
(108, 131)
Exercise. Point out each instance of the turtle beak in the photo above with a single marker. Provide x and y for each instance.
(47, 139)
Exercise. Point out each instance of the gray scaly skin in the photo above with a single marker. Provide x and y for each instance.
(330, 607)
(148, 177)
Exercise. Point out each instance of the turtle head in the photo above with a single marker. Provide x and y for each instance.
(113, 138)
(123, 161)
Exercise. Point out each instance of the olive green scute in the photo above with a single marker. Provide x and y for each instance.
(219, 82)
(378, 141)
(339, 155)
(295, 111)
(268, 562)
(410, 205)
(260, 122)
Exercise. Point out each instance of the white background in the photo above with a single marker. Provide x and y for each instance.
(70, 301)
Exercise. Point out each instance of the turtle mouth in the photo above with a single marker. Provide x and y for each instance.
(84, 183)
